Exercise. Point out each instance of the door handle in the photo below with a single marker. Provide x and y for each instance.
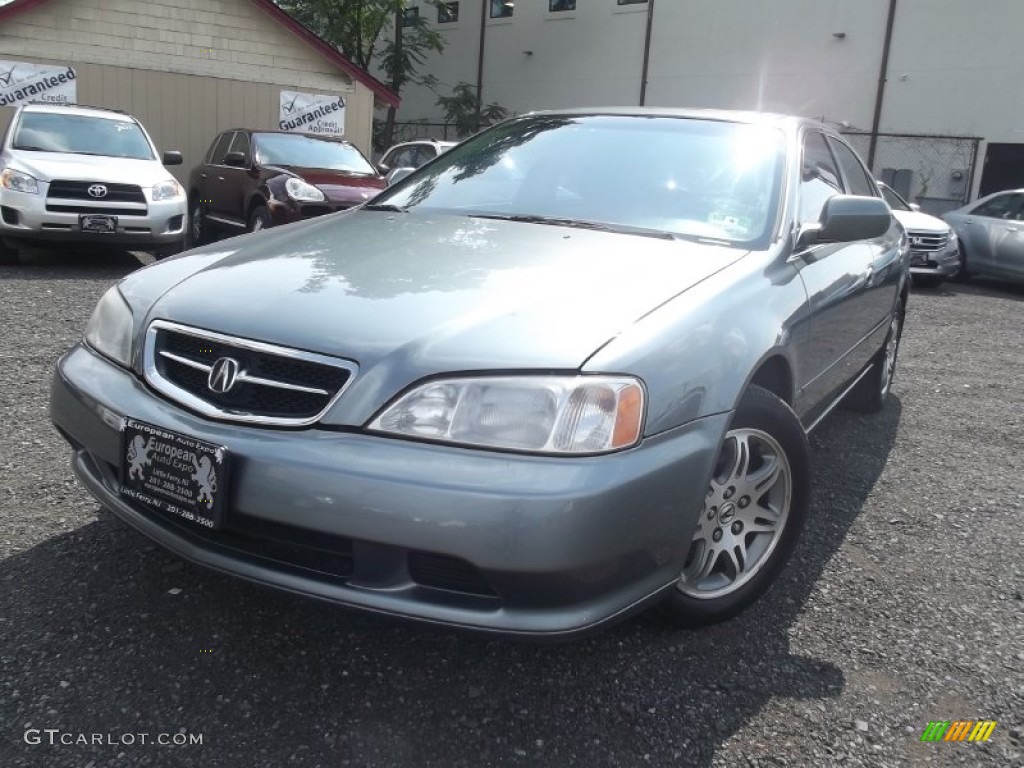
(220, 178)
(202, 175)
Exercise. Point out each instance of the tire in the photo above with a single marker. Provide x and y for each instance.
(9, 254)
(929, 282)
(871, 391)
(775, 475)
(259, 219)
(198, 233)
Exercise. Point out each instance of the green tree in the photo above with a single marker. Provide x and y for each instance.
(463, 110)
(375, 33)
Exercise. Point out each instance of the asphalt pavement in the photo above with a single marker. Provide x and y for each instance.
(904, 604)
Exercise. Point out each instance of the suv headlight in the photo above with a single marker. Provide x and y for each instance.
(537, 414)
(18, 181)
(109, 331)
(167, 190)
(299, 190)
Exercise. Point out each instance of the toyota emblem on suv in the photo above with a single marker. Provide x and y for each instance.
(97, 190)
(223, 375)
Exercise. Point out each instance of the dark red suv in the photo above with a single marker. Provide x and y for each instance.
(250, 180)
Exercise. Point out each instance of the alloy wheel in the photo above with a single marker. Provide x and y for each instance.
(744, 515)
(891, 347)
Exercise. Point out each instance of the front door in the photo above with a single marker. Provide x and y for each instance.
(835, 276)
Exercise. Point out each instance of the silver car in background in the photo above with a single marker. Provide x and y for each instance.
(520, 391)
(934, 246)
(991, 232)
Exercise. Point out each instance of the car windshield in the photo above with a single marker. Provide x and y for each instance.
(693, 178)
(307, 152)
(895, 202)
(81, 135)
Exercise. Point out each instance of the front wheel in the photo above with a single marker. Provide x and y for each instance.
(259, 219)
(752, 515)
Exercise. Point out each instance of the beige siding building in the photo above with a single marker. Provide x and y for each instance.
(186, 68)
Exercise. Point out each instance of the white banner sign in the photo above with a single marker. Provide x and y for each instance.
(312, 113)
(21, 83)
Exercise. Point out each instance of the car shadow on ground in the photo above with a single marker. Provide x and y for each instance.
(975, 286)
(270, 679)
(74, 263)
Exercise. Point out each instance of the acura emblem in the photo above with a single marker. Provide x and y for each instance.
(223, 375)
(97, 190)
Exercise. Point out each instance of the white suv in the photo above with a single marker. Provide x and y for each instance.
(87, 175)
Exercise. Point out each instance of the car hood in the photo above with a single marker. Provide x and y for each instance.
(409, 295)
(920, 222)
(47, 166)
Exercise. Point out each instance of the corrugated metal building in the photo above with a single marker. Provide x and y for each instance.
(186, 68)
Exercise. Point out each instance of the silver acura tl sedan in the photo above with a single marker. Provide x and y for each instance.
(563, 373)
(991, 232)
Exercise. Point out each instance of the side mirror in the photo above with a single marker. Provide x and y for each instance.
(397, 174)
(846, 218)
(383, 169)
(172, 158)
(236, 159)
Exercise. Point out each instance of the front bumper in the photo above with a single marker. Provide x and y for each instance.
(943, 263)
(290, 211)
(490, 541)
(25, 217)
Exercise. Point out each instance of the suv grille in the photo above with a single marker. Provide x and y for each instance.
(927, 242)
(271, 384)
(79, 190)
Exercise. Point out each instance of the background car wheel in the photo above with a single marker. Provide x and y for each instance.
(9, 254)
(928, 281)
(870, 393)
(259, 219)
(197, 233)
(753, 513)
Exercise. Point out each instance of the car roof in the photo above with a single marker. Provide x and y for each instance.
(721, 115)
(335, 139)
(79, 109)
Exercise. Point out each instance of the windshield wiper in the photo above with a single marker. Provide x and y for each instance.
(385, 207)
(621, 229)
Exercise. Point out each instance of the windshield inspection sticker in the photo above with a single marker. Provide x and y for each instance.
(312, 113)
(173, 473)
(21, 82)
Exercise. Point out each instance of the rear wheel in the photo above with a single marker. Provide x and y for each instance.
(871, 391)
(259, 219)
(752, 516)
(963, 273)
(197, 224)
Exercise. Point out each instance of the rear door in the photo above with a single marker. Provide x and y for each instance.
(1009, 255)
(836, 277)
(206, 174)
(234, 182)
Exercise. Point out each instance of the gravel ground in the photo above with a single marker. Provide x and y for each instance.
(903, 604)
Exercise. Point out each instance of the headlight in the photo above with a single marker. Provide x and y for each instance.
(541, 414)
(299, 190)
(18, 181)
(109, 331)
(167, 190)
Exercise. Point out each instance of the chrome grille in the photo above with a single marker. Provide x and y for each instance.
(274, 385)
(927, 242)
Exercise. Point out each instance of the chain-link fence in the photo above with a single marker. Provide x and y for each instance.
(937, 172)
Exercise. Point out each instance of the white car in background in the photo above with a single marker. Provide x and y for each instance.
(934, 247)
(89, 176)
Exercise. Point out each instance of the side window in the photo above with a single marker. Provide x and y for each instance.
(999, 207)
(241, 144)
(819, 179)
(405, 159)
(388, 161)
(858, 182)
(220, 148)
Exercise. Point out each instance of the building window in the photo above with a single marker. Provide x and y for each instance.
(447, 13)
(502, 9)
(410, 17)
(561, 5)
